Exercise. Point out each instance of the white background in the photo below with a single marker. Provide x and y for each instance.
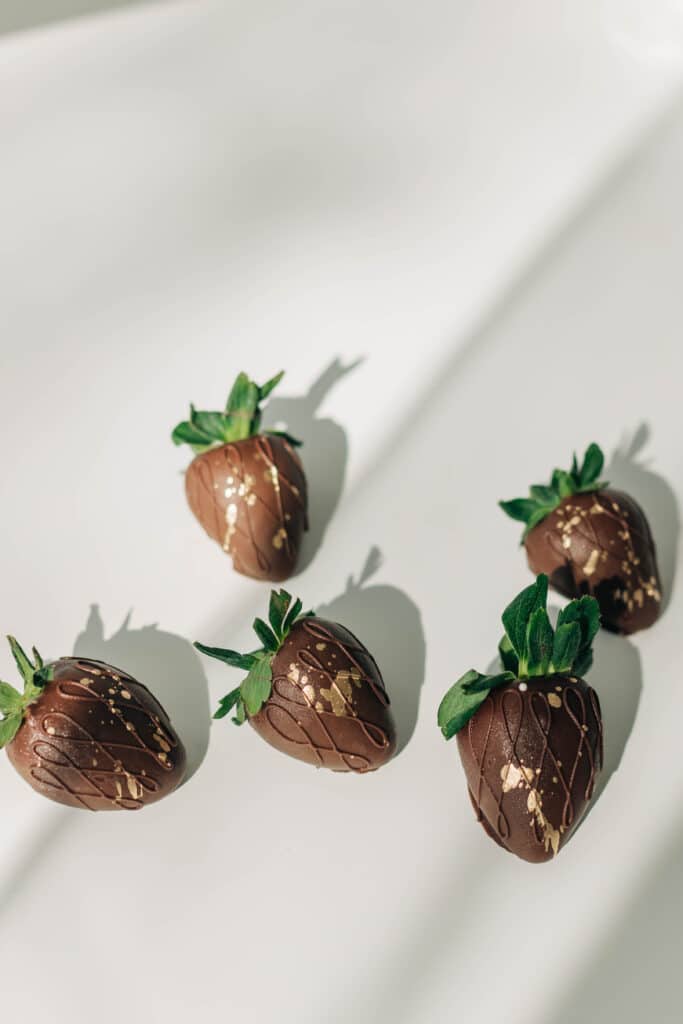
(463, 221)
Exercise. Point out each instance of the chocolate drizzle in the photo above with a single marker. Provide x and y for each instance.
(250, 497)
(600, 544)
(97, 739)
(328, 704)
(531, 755)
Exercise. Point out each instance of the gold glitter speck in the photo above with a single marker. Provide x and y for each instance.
(279, 537)
(591, 564)
(554, 700)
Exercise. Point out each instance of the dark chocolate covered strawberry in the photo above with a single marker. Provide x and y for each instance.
(312, 691)
(589, 539)
(530, 737)
(246, 486)
(88, 735)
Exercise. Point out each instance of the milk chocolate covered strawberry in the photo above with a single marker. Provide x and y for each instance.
(246, 486)
(88, 735)
(312, 691)
(590, 539)
(530, 737)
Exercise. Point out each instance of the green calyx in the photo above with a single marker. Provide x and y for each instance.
(254, 690)
(544, 498)
(240, 420)
(13, 703)
(530, 648)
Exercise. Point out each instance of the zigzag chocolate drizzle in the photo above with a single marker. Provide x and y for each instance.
(328, 705)
(97, 739)
(531, 755)
(250, 497)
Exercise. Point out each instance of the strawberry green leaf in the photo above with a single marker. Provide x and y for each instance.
(537, 517)
(213, 424)
(292, 616)
(270, 385)
(265, 635)
(545, 496)
(232, 658)
(566, 646)
(10, 699)
(25, 667)
(583, 662)
(227, 703)
(257, 686)
(9, 727)
(458, 706)
(240, 419)
(508, 657)
(518, 612)
(539, 643)
(240, 716)
(520, 509)
(586, 612)
(244, 396)
(529, 648)
(563, 483)
(464, 699)
(279, 603)
(488, 682)
(593, 462)
(187, 433)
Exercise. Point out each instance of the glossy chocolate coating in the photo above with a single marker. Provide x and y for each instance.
(98, 740)
(531, 755)
(251, 498)
(600, 544)
(328, 705)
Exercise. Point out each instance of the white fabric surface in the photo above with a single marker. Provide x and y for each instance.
(482, 204)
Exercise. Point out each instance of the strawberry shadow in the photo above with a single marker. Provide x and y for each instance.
(617, 678)
(168, 665)
(324, 452)
(628, 471)
(388, 622)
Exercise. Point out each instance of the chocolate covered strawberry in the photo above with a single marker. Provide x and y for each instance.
(246, 486)
(88, 735)
(590, 539)
(312, 691)
(530, 737)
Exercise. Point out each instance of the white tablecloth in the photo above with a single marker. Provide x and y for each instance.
(457, 227)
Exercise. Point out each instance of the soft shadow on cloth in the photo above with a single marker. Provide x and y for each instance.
(630, 471)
